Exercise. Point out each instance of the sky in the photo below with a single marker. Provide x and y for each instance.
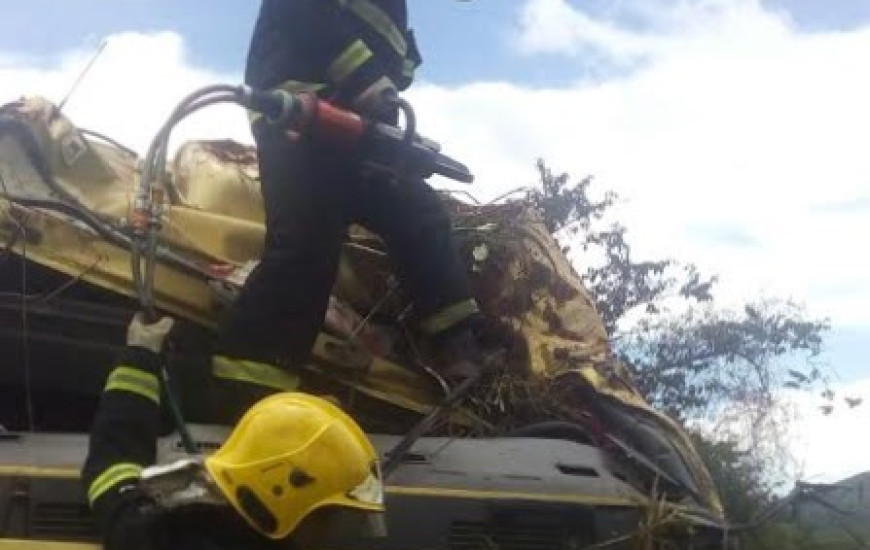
(735, 131)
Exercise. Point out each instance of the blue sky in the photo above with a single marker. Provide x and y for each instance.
(461, 41)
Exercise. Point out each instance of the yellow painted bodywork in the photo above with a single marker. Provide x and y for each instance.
(19, 544)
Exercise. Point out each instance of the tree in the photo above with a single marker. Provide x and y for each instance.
(705, 360)
(701, 357)
(619, 284)
(711, 367)
(742, 483)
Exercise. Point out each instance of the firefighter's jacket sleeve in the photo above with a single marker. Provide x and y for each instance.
(342, 49)
(123, 442)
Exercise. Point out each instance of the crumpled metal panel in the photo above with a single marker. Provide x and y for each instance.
(221, 177)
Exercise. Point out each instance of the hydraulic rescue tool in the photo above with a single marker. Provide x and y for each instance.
(385, 149)
(398, 154)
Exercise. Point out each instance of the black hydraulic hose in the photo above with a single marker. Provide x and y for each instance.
(108, 231)
(68, 204)
(136, 247)
(410, 120)
(114, 143)
(155, 162)
(150, 265)
(136, 274)
(409, 136)
(117, 237)
(103, 228)
(160, 141)
(33, 150)
(144, 245)
(199, 104)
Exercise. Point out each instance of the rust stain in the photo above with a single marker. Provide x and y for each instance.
(231, 151)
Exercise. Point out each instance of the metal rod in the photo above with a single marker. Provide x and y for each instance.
(82, 75)
(397, 454)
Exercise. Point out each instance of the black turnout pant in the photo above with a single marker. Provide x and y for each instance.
(312, 193)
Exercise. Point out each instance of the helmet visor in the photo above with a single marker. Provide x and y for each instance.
(182, 483)
(371, 490)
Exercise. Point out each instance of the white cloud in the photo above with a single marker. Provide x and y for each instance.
(557, 27)
(553, 26)
(832, 447)
(736, 125)
(130, 90)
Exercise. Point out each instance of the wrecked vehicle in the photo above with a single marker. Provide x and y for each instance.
(557, 449)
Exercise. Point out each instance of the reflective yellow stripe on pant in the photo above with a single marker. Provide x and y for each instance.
(252, 372)
(449, 316)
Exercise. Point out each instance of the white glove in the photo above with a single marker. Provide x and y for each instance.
(150, 337)
(375, 98)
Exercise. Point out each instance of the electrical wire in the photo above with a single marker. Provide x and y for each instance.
(54, 293)
(114, 143)
(25, 334)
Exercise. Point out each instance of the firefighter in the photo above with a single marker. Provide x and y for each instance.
(275, 473)
(357, 54)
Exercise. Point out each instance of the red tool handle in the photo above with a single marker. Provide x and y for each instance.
(336, 125)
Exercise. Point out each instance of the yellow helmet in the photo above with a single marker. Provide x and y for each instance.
(291, 454)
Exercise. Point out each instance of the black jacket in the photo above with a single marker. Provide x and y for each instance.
(338, 48)
(123, 442)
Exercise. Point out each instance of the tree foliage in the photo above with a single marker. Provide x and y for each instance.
(743, 487)
(692, 359)
(619, 283)
(706, 359)
(715, 367)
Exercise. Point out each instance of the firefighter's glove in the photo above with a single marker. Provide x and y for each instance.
(148, 336)
(378, 101)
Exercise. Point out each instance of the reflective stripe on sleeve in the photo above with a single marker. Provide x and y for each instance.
(351, 59)
(378, 19)
(133, 380)
(111, 477)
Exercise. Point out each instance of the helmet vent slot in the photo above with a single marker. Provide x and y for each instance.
(299, 478)
(256, 511)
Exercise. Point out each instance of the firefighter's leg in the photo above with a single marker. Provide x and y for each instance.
(220, 389)
(282, 304)
(416, 228)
